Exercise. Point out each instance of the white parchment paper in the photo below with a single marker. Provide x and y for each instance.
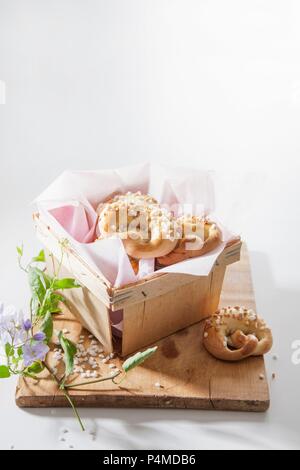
(69, 204)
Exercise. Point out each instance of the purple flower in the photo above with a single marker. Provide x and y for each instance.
(33, 352)
(11, 324)
(39, 336)
(27, 325)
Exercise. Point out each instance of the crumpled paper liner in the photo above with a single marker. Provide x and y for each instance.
(69, 205)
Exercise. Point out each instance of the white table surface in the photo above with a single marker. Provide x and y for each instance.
(207, 84)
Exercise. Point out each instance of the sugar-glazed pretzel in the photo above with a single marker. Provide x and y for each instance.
(232, 334)
(116, 214)
(147, 230)
(199, 236)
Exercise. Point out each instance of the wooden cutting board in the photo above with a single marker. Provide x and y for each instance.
(181, 374)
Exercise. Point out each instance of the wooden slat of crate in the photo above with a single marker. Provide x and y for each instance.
(166, 282)
(82, 271)
(189, 376)
(118, 298)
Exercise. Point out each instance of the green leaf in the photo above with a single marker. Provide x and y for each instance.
(9, 350)
(20, 351)
(47, 279)
(67, 283)
(37, 284)
(55, 298)
(70, 350)
(35, 368)
(47, 326)
(40, 258)
(51, 303)
(138, 359)
(20, 250)
(4, 372)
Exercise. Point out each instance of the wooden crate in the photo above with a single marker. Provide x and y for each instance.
(151, 309)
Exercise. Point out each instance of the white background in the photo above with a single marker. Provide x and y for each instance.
(206, 83)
